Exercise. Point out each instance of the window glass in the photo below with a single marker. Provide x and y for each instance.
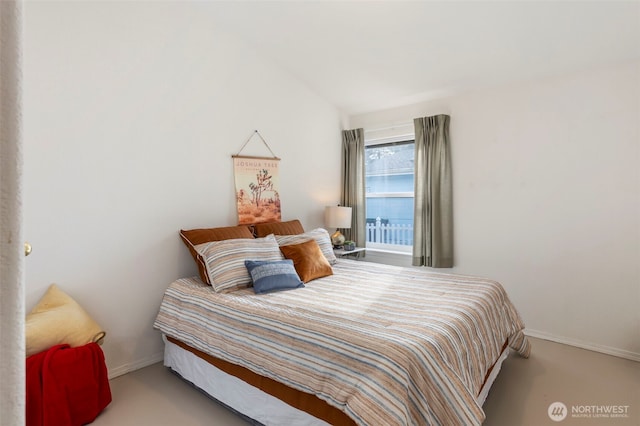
(389, 195)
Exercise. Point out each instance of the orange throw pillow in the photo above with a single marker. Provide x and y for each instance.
(291, 227)
(308, 260)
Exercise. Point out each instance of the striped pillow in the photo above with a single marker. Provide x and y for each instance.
(224, 260)
(193, 237)
(319, 234)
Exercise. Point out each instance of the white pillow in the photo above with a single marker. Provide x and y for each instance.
(224, 260)
(319, 234)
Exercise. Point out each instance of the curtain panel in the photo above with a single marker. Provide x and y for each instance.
(353, 184)
(433, 203)
(12, 355)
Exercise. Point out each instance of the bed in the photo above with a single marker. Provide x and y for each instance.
(365, 344)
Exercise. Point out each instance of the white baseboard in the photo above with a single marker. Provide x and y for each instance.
(621, 353)
(127, 368)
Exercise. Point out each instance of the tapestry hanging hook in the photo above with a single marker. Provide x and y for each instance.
(255, 132)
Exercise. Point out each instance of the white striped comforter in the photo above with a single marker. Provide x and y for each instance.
(387, 345)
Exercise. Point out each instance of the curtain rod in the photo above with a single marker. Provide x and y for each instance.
(394, 126)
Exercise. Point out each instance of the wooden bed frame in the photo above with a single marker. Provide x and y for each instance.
(300, 400)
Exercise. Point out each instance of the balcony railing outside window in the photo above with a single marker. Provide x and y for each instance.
(388, 236)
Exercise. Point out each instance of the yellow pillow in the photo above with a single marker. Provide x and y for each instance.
(57, 319)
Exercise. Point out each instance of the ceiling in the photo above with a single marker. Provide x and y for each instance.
(364, 55)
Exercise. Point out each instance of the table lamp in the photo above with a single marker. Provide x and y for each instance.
(337, 217)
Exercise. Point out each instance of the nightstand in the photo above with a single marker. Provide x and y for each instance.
(343, 252)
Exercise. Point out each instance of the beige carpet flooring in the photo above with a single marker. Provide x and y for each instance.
(587, 383)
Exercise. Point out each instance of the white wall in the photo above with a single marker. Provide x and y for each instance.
(132, 111)
(547, 199)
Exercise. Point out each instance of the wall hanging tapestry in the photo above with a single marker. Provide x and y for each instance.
(257, 185)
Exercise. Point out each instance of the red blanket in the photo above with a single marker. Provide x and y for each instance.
(66, 386)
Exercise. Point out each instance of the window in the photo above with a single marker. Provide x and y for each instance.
(389, 195)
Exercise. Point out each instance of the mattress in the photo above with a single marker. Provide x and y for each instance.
(382, 344)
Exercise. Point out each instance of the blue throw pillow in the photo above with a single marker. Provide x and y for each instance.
(275, 275)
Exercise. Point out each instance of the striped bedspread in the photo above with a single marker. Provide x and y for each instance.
(386, 345)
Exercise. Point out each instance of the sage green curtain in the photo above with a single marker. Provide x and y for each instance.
(433, 204)
(353, 184)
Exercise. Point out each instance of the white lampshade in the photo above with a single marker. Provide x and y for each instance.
(337, 217)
